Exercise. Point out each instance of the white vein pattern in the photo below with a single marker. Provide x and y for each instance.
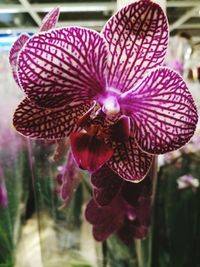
(62, 66)
(137, 36)
(163, 111)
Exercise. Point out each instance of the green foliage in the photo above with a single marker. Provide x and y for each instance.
(77, 263)
(10, 216)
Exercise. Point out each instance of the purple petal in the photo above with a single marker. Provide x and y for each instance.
(70, 178)
(14, 52)
(3, 191)
(125, 233)
(104, 196)
(50, 20)
(3, 196)
(132, 192)
(129, 161)
(36, 122)
(102, 232)
(105, 220)
(96, 214)
(107, 185)
(131, 231)
(89, 151)
(104, 177)
(62, 66)
(137, 36)
(144, 210)
(163, 112)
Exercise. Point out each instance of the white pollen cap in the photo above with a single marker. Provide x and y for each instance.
(111, 106)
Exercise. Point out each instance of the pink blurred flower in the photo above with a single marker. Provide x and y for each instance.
(186, 181)
(68, 179)
(119, 207)
(3, 191)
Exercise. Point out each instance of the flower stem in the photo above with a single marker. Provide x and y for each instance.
(104, 251)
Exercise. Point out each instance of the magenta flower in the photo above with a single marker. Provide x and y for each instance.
(106, 90)
(119, 206)
(3, 195)
(68, 179)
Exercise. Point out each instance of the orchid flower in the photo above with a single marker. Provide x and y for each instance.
(108, 91)
(119, 206)
(68, 179)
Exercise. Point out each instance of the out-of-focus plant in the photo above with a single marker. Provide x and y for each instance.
(186, 181)
(176, 231)
(3, 191)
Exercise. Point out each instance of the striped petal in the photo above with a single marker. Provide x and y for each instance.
(37, 122)
(14, 52)
(50, 20)
(129, 161)
(163, 112)
(63, 66)
(137, 36)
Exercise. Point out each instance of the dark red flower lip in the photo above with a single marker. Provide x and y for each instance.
(89, 151)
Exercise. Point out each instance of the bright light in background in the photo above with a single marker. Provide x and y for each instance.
(8, 10)
(64, 7)
(8, 38)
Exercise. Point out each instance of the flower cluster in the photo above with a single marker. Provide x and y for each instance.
(119, 206)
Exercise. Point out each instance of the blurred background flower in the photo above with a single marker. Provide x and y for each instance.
(186, 181)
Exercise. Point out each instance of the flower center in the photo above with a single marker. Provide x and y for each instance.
(97, 131)
(111, 106)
